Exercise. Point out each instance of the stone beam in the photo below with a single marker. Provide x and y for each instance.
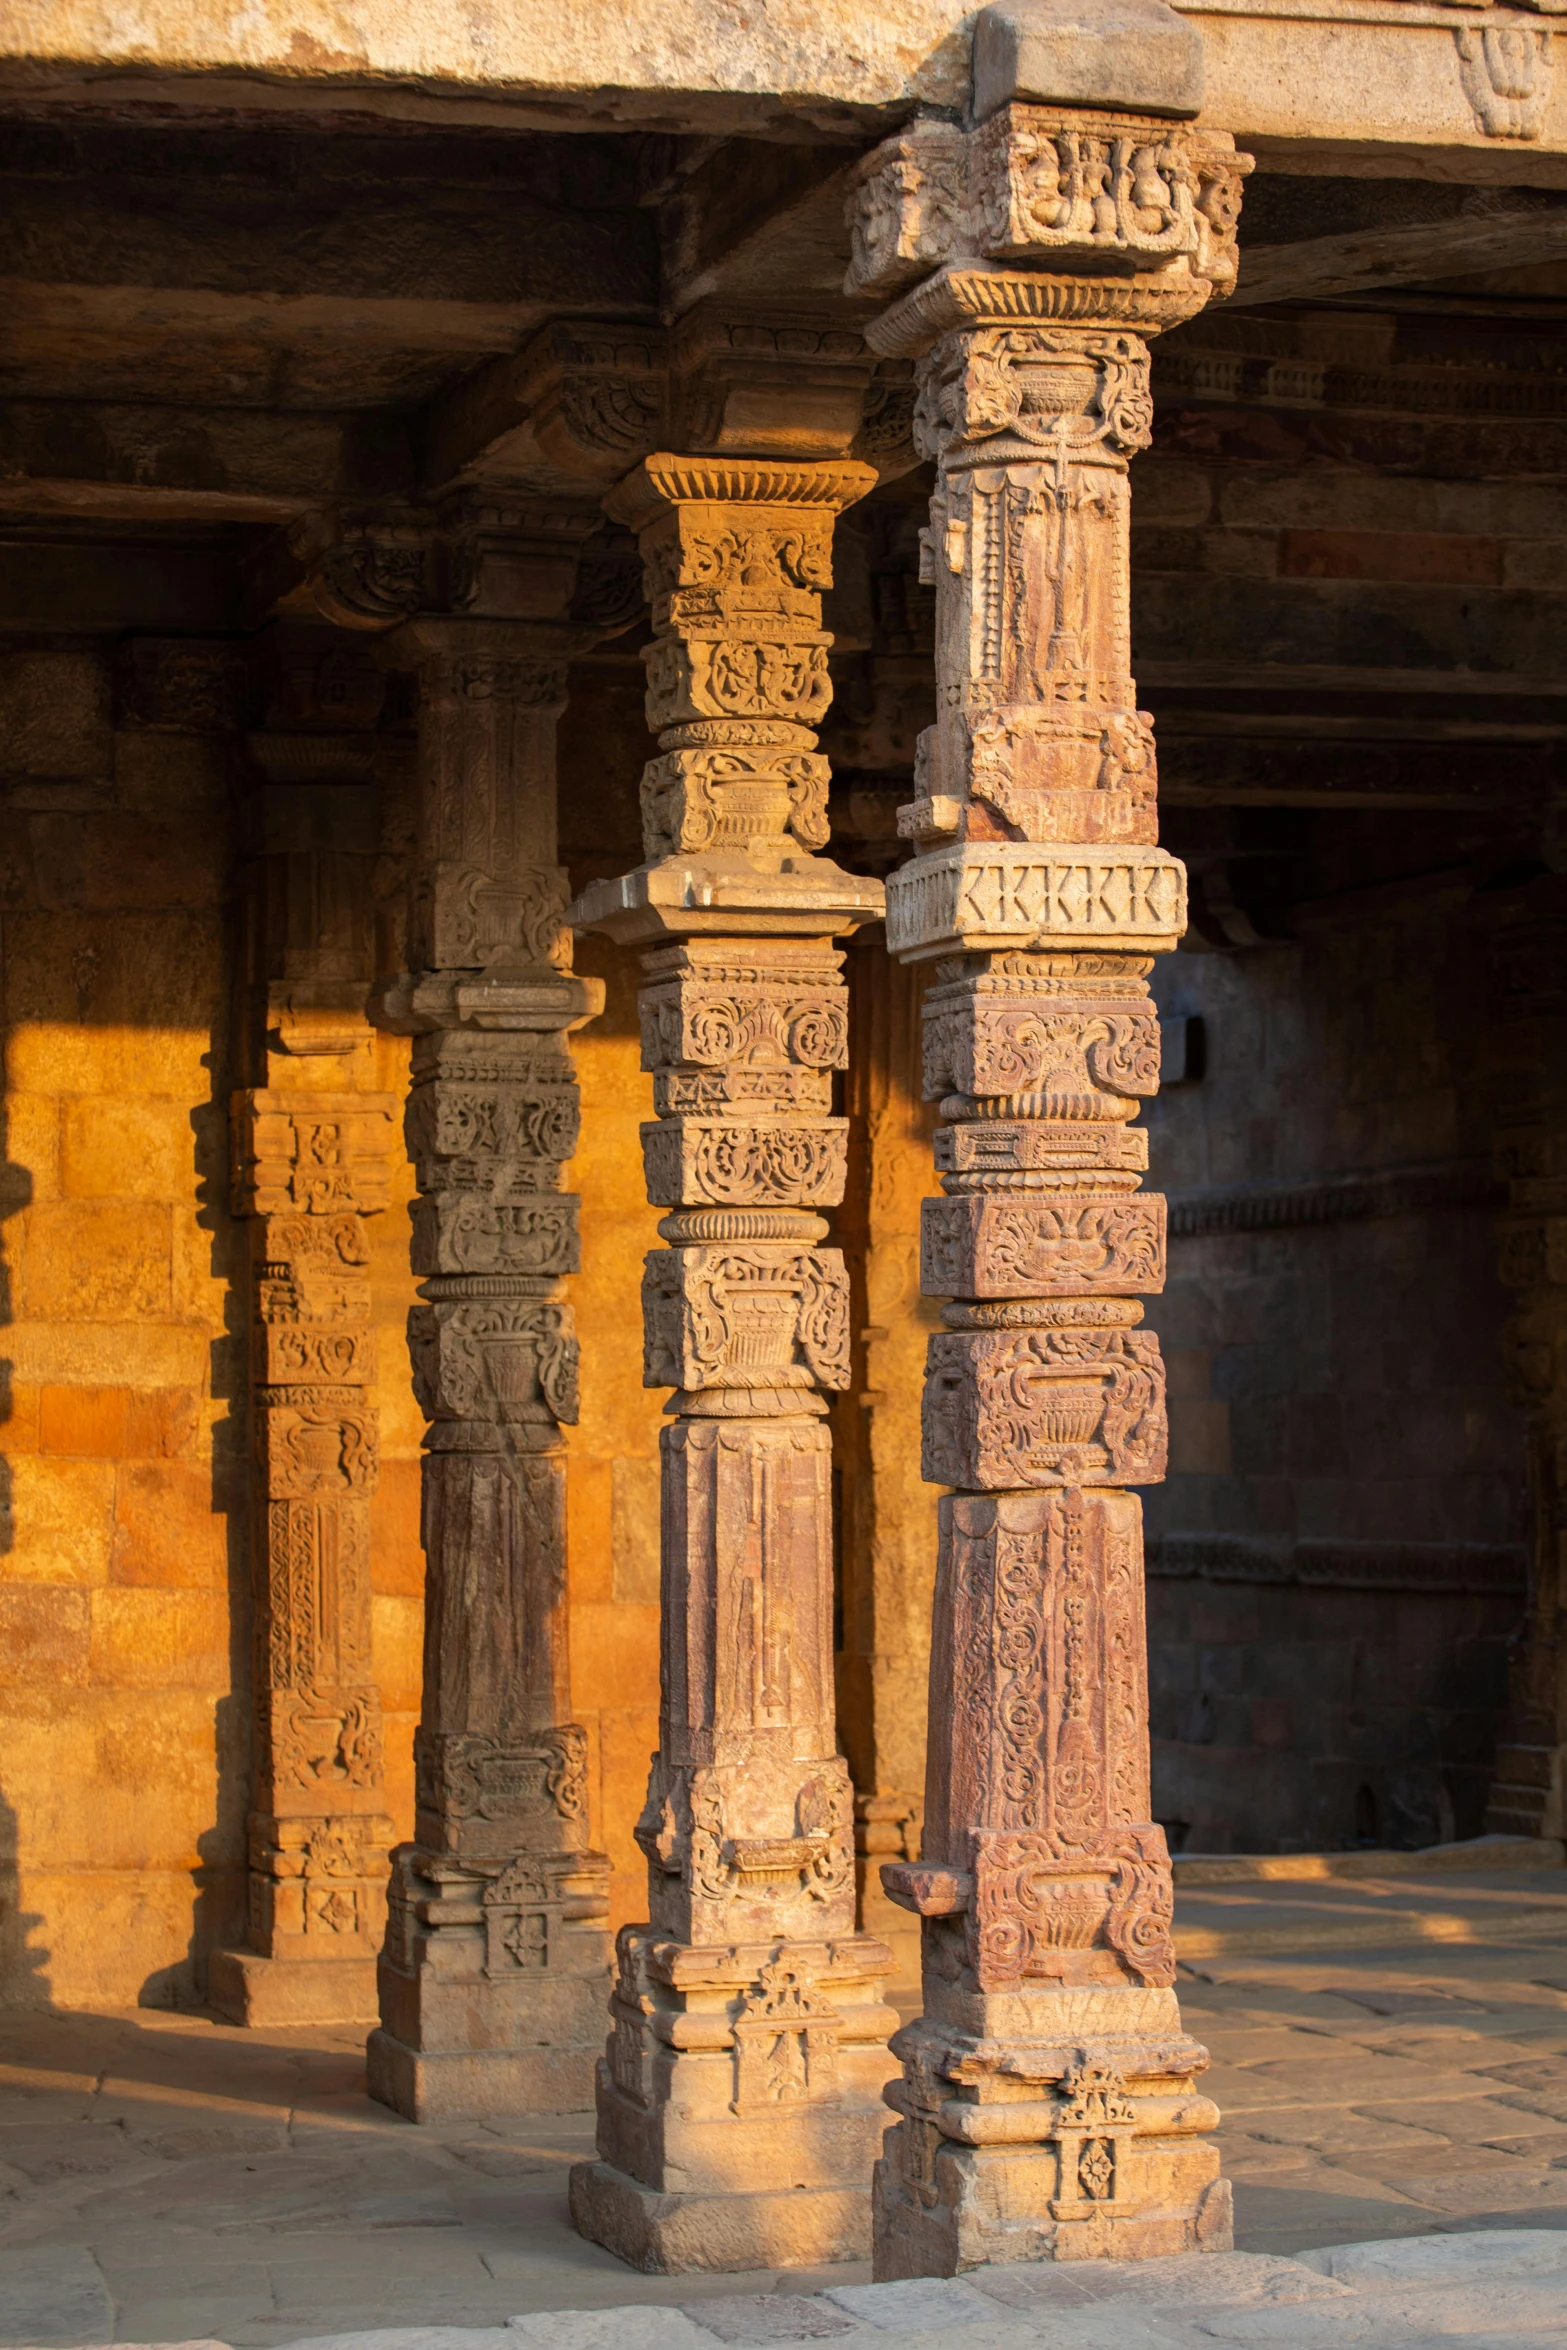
(757, 220)
(1317, 77)
(110, 458)
(215, 276)
(1462, 231)
(1243, 770)
(188, 581)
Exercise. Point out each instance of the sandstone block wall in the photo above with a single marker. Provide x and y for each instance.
(125, 1676)
(613, 1481)
(1337, 1560)
(124, 1599)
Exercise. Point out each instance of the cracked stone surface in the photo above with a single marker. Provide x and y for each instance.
(168, 2179)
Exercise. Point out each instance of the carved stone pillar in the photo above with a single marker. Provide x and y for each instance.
(494, 1977)
(740, 2107)
(1048, 2100)
(313, 1141)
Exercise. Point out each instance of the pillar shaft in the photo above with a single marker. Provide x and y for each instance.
(1048, 2092)
(312, 1145)
(740, 2106)
(494, 1975)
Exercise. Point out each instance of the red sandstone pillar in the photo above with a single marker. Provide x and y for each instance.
(1048, 2099)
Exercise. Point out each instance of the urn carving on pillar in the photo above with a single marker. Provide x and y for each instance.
(313, 1138)
(1048, 2100)
(740, 2106)
(494, 1977)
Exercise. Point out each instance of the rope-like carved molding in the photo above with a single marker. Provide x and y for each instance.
(1440, 1569)
(1355, 1198)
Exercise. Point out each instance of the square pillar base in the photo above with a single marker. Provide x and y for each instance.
(666, 2235)
(275, 1992)
(476, 2084)
(494, 1986)
(740, 2106)
(991, 2205)
(1106, 2177)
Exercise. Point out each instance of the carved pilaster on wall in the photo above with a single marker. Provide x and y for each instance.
(1031, 258)
(1527, 947)
(740, 2104)
(312, 1156)
(495, 1975)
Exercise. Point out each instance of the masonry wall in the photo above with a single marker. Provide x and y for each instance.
(124, 1601)
(1337, 1558)
(125, 1676)
(613, 1489)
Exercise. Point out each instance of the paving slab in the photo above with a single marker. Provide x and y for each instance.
(54, 2295)
(188, 2180)
(1508, 2287)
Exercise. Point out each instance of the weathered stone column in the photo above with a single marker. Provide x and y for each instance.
(312, 1149)
(740, 2108)
(1048, 2088)
(495, 1972)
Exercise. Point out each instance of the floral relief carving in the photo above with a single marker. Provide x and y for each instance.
(1044, 1407)
(1050, 188)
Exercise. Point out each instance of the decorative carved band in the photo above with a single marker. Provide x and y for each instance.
(1436, 1568)
(1353, 1198)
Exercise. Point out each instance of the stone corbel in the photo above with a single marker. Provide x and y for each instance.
(766, 384)
(580, 403)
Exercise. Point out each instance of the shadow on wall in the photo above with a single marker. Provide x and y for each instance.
(218, 1884)
(116, 1587)
(23, 1979)
(16, 1193)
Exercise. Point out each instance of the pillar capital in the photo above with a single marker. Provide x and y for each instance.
(736, 553)
(1132, 216)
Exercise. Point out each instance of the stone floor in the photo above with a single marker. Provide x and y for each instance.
(165, 2178)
